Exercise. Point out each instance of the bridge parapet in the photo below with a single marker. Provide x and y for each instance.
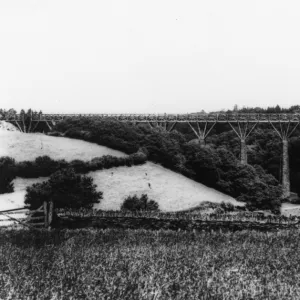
(210, 117)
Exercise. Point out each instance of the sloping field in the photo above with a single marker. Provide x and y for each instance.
(28, 146)
(289, 209)
(7, 126)
(16, 199)
(172, 191)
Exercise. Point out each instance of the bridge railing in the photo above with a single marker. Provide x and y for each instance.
(212, 117)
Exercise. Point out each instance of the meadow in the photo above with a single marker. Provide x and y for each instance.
(28, 146)
(139, 264)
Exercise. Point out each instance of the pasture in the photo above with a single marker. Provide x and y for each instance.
(171, 190)
(28, 146)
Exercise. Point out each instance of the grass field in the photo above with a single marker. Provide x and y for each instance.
(28, 146)
(171, 190)
(111, 264)
(289, 209)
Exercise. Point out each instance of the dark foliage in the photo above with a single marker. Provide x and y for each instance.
(135, 203)
(6, 174)
(44, 166)
(66, 189)
(214, 165)
(26, 119)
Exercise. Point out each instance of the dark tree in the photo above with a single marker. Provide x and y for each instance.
(66, 189)
(7, 166)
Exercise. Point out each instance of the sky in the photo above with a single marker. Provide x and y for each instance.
(158, 56)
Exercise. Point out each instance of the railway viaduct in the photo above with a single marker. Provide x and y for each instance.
(201, 124)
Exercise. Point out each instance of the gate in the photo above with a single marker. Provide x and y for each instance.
(38, 219)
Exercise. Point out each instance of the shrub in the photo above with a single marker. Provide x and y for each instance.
(7, 165)
(219, 210)
(135, 203)
(227, 207)
(66, 189)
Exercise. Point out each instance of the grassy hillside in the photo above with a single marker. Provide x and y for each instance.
(171, 190)
(31, 145)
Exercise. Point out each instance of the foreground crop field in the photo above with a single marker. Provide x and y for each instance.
(112, 264)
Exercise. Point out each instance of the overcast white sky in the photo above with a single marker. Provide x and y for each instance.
(153, 56)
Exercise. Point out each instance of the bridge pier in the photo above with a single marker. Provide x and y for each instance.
(163, 125)
(243, 152)
(201, 140)
(286, 190)
(243, 131)
(202, 134)
(284, 133)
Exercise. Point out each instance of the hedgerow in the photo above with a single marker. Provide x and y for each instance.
(44, 166)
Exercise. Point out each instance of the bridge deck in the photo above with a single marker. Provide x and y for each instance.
(213, 117)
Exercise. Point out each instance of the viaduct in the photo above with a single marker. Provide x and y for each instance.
(201, 124)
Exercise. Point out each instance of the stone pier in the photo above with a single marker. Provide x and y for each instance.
(286, 192)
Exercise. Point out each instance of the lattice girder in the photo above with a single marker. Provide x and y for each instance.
(285, 129)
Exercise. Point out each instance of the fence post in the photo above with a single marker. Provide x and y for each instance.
(50, 215)
(46, 213)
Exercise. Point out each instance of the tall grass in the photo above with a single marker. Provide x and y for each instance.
(118, 264)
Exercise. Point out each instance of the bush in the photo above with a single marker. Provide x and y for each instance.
(227, 207)
(7, 176)
(135, 203)
(66, 189)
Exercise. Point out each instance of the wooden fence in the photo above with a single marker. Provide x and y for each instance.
(84, 218)
(212, 217)
(43, 217)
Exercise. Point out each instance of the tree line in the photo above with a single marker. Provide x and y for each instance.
(215, 166)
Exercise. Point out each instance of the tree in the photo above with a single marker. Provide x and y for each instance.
(11, 113)
(7, 176)
(203, 163)
(66, 189)
(134, 203)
